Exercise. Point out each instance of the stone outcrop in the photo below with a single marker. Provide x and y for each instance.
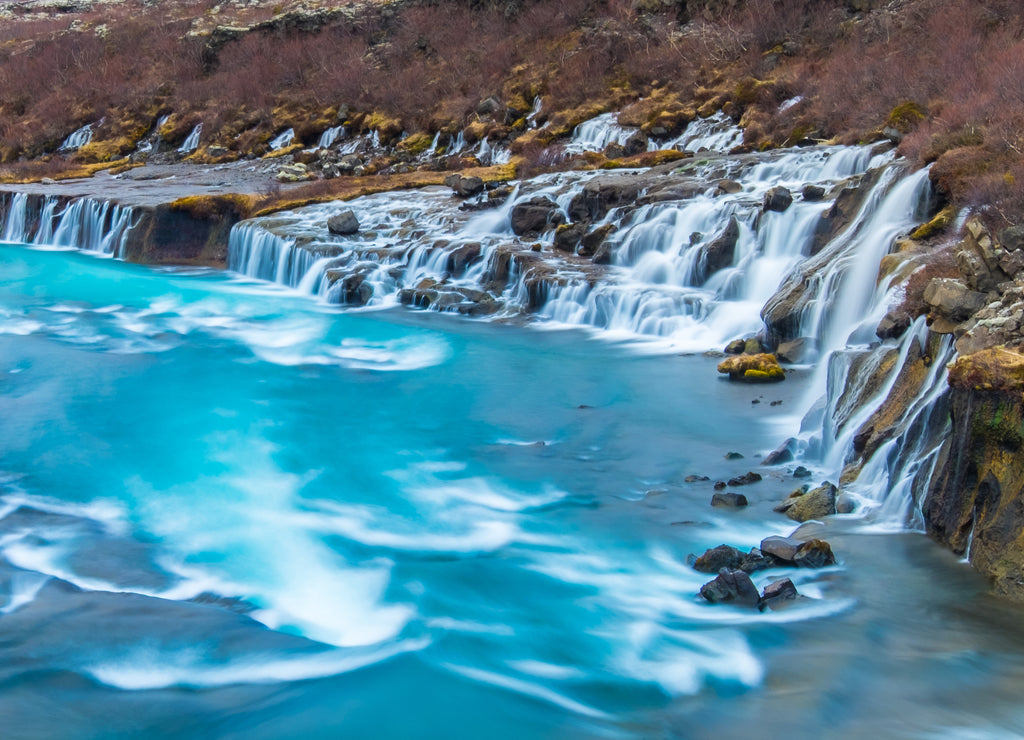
(761, 368)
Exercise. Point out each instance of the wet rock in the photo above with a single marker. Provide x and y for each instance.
(752, 368)
(777, 199)
(344, 223)
(729, 187)
(814, 554)
(729, 500)
(778, 594)
(534, 215)
(353, 290)
(696, 478)
(717, 558)
(719, 485)
(756, 560)
(719, 253)
(894, 324)
(952, 298)
(801, 472)
(812, 193)
(796, 351)
(783, 549)
(733, 456)
(294, 173)
(460, 259)
(592, 243)
(635, 144)
(753, 346)
(735, 347)
(731, 587)
(604, 193)
(467, 187)
(781, 454)
(820, 502)
(845, 504)
(568, 236)
(746, 479)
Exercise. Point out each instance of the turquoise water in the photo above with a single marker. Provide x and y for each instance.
(227, 510)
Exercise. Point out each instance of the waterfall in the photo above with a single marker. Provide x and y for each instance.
(78, 139)
(191, 143)
(283, 139)
(89, 225)
(598, 132)
(716, 133)
(331, 135)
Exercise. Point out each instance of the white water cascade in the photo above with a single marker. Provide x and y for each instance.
(78, 139)
(283, 139)
(599, 132)
(331, 135)
(191, 142)
(716, 133)
(89, 225)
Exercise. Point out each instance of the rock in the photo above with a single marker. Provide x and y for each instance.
(488, 106)
(746, 479)
(534, 215)
(604, 193)
(461, 258)
(756, 560)
(614, 151)
(635, 144)
(467, 187)
(344, 223)
(752, 368)
(893, 324)
(729, 500)
(593, 241)
(723, 556)
(353, 290)
(567, 237)
(781, 548)
(952, 298)
(781, 454)
(731, 587)
(812, 193)
(796, 351)
(719, 485)
(735, 347)
(695, 478)
(777, 199)
(778, 593)
(1012, 238)
(814, 554)
(729, 187)
(845, 504)
(718, 253)
(294, 173)
(820, 502)
(733, 456)
(752, 346)
(801, 472)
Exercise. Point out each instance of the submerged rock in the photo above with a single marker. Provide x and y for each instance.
(778, 594)
(760, 368)
(729, 500)
(731, 587)
(717, 558)
(746, 479)
(781, 454)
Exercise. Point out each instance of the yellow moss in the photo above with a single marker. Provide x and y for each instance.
(104, 151)
(284, 151)
(763, 376)
(415, 144)
(389, 127)
(753, 368)
(905, 116)
(209, 206)
(999, 368)
(939, 223)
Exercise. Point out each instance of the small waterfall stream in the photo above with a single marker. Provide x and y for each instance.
(86, 224)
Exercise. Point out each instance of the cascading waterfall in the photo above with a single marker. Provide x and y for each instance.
(191, 142)
(283, 139)
(89, 225)
(331, 135)
(78, 138)
(597, 133)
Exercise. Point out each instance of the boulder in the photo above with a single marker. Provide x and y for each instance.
(820, 502)
(952, 299)
(717, 558)
(604, 193)
(778, 199)
(731, 587)
(756, 560)
(467, 187)
(534, 215)
(460, 258)
(778, 594)
(344, 223)
(746, 479)
(801, 472)
(592, 242)
(735, 347)
(294, 173)
(796, 351)
(752, 368)
(812, 193)
(893, 324)
(729, 500)
(781, 548)
(1012, 238)
(729, 187)
(733, 456)
(814, 554)
(718, 253)
(752, 346)
(635, 144)
(781, 454)
(567, 237)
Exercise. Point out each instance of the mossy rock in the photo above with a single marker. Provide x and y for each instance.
(415, 144)
(905, 116)
(938, 224)
(760, 368)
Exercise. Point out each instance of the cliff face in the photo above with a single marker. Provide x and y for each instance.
(975, 504)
